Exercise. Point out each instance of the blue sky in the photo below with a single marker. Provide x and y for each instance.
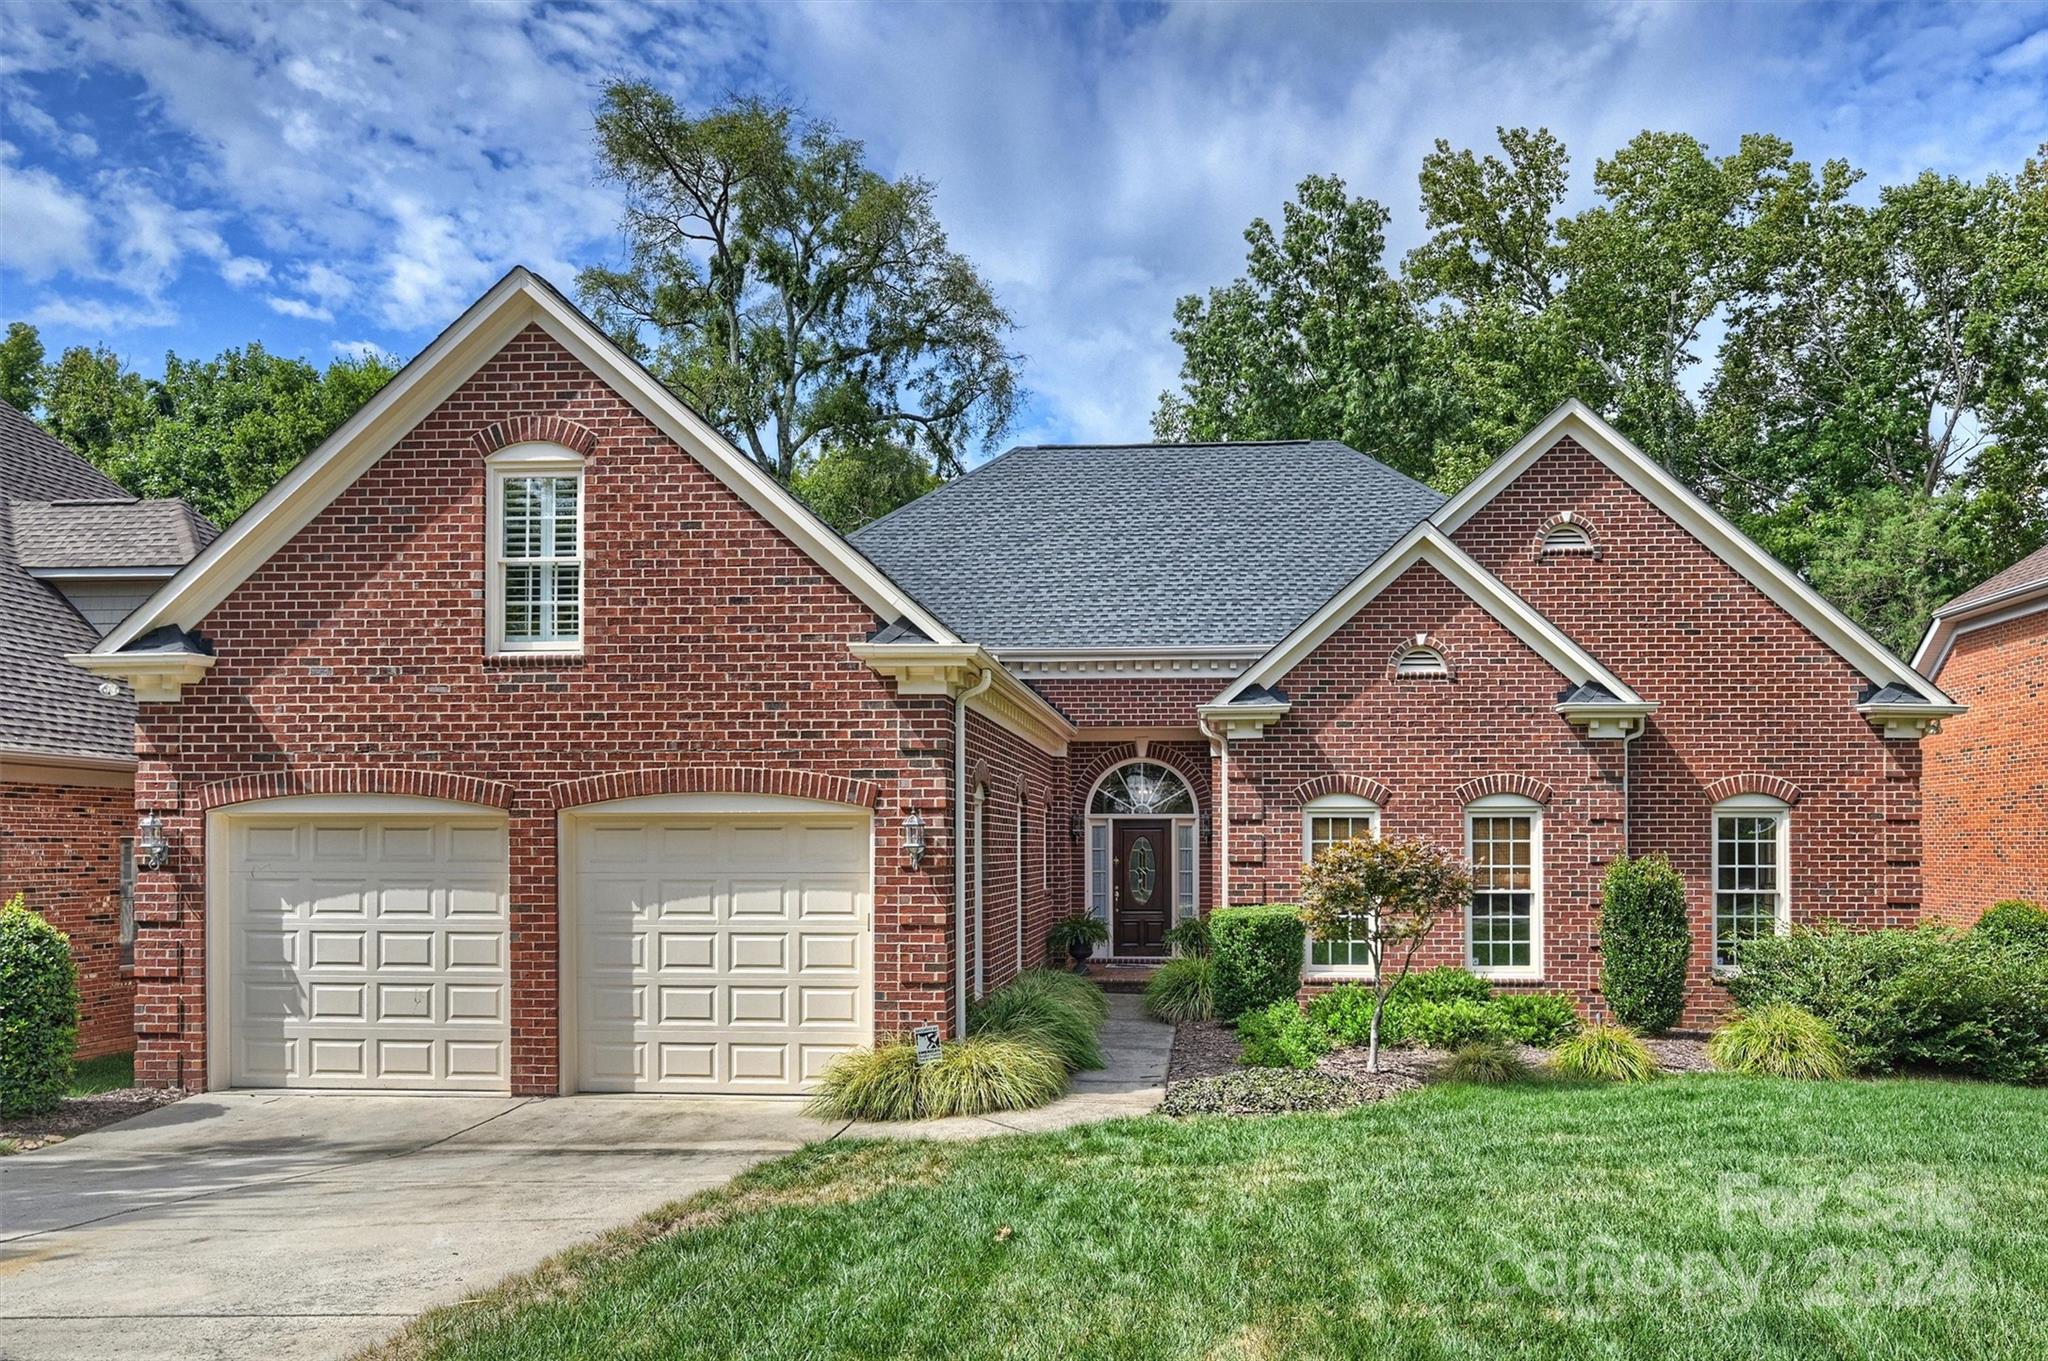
(328, 177)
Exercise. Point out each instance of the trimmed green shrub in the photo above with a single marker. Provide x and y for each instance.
(870, 1084)
(1054, 1020)
(1190, 940)
(1644, 942)
(1605, 1053)
(38, 1012)
(1453, 1025)
(1070, 988)
(1257, 954)
(1780, 1040)
(1444, 983)
(1182, 990)
(1346, 1012)
(1485, 1061)
(2015, 922)
(1974, 1004)
(986, 1073)
(1282, 1036)
(1538, 1018)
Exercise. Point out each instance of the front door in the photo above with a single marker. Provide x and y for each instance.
(1141, 887)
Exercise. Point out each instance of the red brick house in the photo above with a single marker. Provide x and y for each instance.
(1987, 771)
(76, 554)
(528, 738)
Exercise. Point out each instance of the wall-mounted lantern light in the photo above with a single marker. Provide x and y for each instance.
(1075, 824)
(913, 838)
(152, 849)
(1207, 826)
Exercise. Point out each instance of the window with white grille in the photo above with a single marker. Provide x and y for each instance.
(536, 527)
(1504, 924)
(1750, 898)
(1326, 822)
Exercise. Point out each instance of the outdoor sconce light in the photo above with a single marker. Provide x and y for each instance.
(1207, 826)
(913, 838)
(1075, 822)
(149, 841)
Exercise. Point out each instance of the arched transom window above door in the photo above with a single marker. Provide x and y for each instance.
(1143, 788)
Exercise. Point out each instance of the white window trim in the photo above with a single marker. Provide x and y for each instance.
(528, 460)
(1494, 805)
(1746, 805)
(126, 927)
(1332, 806)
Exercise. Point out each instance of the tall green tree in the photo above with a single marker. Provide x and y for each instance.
(798, 298)
(217, 432)
(1315, 341)
(851, 487)
(21, 367)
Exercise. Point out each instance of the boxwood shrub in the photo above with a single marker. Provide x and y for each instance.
(1644, 942)
(38, 1012)
(1538, 1018)
(1256, 954)
(1448, 1007)
(2015, 922)
(1282, 1036)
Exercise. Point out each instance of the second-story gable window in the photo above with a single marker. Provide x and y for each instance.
(536, 570)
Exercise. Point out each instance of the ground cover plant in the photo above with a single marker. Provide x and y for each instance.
(1720, 1216)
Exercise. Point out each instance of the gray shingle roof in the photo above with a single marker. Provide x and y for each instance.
(1191, 545)
(52, 707)
(2029, 572)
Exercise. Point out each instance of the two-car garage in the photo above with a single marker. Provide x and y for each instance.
(708, 944)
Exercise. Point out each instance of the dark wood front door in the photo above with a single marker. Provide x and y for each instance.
(1141, 886)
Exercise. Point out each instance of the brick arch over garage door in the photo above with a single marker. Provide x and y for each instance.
(656, 780)
(409, 781)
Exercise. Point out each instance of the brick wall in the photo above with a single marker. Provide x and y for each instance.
(1987, 773)
(1424, 743)
(353, 659)
(60, 848)
(1026, 792)
(1130, 701)
(1749, 697)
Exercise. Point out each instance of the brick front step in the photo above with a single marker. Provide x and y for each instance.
(1123, 975)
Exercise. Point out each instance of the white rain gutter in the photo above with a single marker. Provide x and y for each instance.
(1627, 744)
(1221, 746)
(981, 686)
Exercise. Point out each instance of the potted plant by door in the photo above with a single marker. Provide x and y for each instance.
(1077, 936)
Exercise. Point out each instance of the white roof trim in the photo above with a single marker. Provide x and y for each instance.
(1427, 543)
(1944, 629)
(1842, 635)
(514, 302)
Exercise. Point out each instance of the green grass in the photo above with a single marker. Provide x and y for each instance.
(107, 1073)
(1430, 1226)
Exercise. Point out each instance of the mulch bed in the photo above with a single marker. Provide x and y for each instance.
(76, 1115)
(1205, 1078)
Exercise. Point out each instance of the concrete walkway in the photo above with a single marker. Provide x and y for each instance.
(306, 1226)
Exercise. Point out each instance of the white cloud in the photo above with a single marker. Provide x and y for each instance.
(47, 226)
(243, 270)
(360, 350)
(99, 316)
(297, 307)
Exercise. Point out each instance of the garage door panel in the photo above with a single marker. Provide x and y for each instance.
(378, 961)
(765, 986)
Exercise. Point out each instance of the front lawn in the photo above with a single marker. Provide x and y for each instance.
(1713, 1217)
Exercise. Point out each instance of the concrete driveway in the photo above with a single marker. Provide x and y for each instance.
(253, 1224)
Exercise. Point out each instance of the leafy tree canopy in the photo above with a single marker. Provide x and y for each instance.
(805, 303)
(1861, 382)
(217, 432)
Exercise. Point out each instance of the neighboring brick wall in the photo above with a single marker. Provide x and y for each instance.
(60, 847)
(1987, 773)
(710, 642)
(1745, 690)
(1432, 744)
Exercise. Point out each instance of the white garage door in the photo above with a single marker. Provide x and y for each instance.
(368, 952)
(719, 953)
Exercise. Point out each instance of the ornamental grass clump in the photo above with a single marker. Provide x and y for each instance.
(986, 1073)
(1070, 988)
(1485, 1062)
(1183, 990)
(870, 1084)
(1605, 1053)
(1061, 1023)
(1779, 1039)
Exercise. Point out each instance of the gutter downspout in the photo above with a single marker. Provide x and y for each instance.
(981, 686)
(1627, 743)
(1221, 746)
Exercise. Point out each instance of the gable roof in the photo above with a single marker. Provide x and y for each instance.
(516, 301)
(2020, 589)
(1146, 546)
(1621, 457)
(52, 537)
(53, 709)
(1592, 685)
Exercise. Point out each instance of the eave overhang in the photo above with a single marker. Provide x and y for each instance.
(949, 670)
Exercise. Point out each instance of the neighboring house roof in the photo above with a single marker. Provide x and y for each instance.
(54, 709)
(2020, 589)
(518, 300)
(51, 536)
(1145, 545)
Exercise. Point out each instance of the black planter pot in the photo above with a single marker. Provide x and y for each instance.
(1080, 951)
